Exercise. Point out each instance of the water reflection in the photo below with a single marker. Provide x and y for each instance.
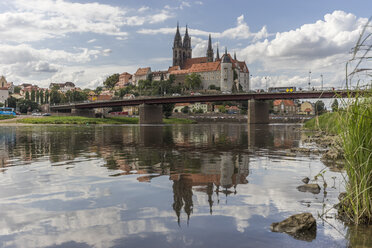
(154, 186)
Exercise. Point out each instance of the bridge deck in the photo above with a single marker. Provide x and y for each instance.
(205, 98)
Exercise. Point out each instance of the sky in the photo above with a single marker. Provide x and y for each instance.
(284, 43)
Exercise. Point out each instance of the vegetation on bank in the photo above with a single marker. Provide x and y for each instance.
(85, 120)
(6, 117)
(354, 125)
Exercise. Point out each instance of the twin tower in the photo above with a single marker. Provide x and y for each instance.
(183, 51)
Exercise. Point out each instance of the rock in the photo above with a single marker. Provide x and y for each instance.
(306, 180)
(300, 226)
(312, 187)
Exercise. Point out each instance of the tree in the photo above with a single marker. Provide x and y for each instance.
(27, 105)
(193, 81)
(98, 90)
(319, 107)
(27, 96)
(167, 109)
(12, 102)
(41, 94)
(55, 97)
(334, 106)
(111, 80)
(185, 110)
(212, 87)
(32, 95)
(37, 96)
(47, 96)
(17, 89)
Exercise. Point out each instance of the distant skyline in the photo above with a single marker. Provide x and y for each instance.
(44, 41)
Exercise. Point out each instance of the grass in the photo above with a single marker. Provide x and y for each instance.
(354, 125)
(356, 133)
(85, 120)
(6, 117)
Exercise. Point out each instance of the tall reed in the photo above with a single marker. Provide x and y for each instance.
(356, 133)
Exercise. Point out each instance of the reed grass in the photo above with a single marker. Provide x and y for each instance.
(356, 132)
(6, 117)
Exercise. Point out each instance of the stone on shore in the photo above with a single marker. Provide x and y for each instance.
(306, 180)
(312, 187)
(300, 226)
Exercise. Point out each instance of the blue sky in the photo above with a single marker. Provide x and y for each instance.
(44, 41)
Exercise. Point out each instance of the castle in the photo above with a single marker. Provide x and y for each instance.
(226, 72)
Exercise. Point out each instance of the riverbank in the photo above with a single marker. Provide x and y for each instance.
(349, 135)
(86, 121)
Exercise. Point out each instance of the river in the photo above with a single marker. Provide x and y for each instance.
(203, 185)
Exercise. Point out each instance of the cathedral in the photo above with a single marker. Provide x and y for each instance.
(226, 73)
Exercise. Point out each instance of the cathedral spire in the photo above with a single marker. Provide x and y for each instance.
(187, 39)
(218, 54)
(177, 38)
(235, 55)
(210, 50)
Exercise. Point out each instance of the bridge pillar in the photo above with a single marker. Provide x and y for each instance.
(150, 114)
(83, 112)
(258, 112)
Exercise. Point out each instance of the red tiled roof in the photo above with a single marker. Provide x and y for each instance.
(142, 71)
(285, 102)
(189, 62)
(182, 104)
(202, 67)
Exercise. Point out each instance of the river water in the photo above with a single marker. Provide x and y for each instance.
(204, 185)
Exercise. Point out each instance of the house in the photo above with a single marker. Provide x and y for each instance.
(233, 110)
(63, 87)
(159, 75)
(179, 106)
(205, 107)
(307, 108)
(124, 80)
(141, 74)
(4, 91)
(284, 107)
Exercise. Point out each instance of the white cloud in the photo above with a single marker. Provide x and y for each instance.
(34, 20)
(92, 40)
(240, 31)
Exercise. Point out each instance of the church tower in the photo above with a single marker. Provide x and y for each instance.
(187, 51)
(177, 48)
(226, 73)
(210, 50)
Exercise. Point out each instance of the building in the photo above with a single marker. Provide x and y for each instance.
(160, 75)
(4, 91)
(226, 72)
(307, 108)
(141, 74)
(179, 106)
(124, 80)
(284, 107)
(63, 87)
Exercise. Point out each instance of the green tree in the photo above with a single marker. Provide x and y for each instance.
(33, 95)
(193, 81)
(17, 89)
(27, 105)
(27, 95)
(212, 87)
(41, 94)
(334, 106)
(37, 96)
(172, 78)
(185, 110)
(111, 80)
(167, 109)
(12, 102)
(98, 90)
(55, 97)
(319, 107)
(46, 96)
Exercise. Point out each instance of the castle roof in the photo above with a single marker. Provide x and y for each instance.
(202, 67)
(189, 62)
(142, 71)
(173, 68)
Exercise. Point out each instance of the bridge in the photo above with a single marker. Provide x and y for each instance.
(151, 107)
